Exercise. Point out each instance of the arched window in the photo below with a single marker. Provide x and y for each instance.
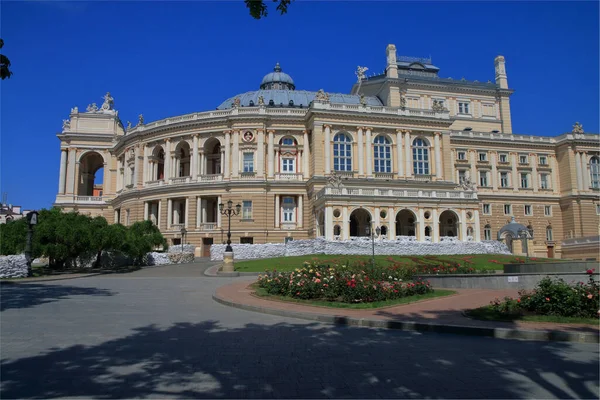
(342, 153)
(420, 157)
(382, 150)
(337, 231)
(287, 155)
(487, 232)
(595, 172)
(384, 231)
(549, 233)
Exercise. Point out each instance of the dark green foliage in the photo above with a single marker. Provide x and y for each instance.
(5, 71)
(259, 9)
(141, 238)
(12, 237)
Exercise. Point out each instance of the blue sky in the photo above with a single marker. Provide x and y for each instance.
(163, 59)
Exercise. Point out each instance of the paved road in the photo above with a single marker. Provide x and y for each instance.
(157, 333)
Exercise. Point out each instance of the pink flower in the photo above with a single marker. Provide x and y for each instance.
(589, 296)
(547, 298)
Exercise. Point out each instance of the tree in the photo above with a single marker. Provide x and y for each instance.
(5, 71)
(12, 237)
(259, 9)
(142, 237)
(105, 237)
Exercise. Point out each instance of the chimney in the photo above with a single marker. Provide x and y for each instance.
(392, 67)
(501, 79)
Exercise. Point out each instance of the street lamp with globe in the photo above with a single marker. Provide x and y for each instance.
(229, 212)
(183, 232)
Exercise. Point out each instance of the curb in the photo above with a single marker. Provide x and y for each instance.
(24, 280)
(213, 272)
(498, 333)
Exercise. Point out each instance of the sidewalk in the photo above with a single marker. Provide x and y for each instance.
(441, 315)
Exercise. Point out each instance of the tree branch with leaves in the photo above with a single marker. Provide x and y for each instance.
(5, 71)
(259, 8)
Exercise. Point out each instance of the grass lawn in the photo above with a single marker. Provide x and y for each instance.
(358, 306)
(488, 314)
(478, 261)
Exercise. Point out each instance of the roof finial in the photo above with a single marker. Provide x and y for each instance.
(277, 67)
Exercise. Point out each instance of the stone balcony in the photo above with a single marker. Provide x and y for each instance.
(397, 193)
(288, 177)
(89, 200)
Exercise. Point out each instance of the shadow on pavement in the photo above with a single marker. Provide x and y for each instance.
(206, 360)
(30, 295)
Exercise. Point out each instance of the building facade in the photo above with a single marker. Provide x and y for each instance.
(414, 154)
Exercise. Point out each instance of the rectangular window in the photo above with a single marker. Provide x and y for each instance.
(288, 165)
(543, 160)
(246, 240)
(528, 210)
(462, 176)
(461, 155)
(482, 156)
(463, 108)
(503, 179)
(503, 158)
(524, 180)
(248, 162)
(507, 209)
(597, 209)
(523, 159)
(487, 234)
(289, 209)
(544, 181)
(549, 234)
(247, 209)
(548, 211)
(487, 209)
(127, 217)
(483, 178)
(413, 102)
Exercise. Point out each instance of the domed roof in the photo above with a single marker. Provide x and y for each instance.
(283, 80)
(514, 229)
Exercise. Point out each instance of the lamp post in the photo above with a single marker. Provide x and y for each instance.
(229, 211)
(525, 234)
(183, 232)
(370, 233)
(31, 221)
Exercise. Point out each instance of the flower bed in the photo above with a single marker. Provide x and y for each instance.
(552, 297)
(342, 283)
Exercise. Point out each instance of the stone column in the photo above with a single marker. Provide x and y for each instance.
(146, 167)
(187, 212)
(277, 162)
(585, 176)
(327, 150)
(136, 167)
(391, 224)
(534, 172)
(158, 214)
(421, 237)
(106, 180)
(169, 213)
(226, 169)
(494, 157)
(271, 153)
(204, 211)
(578, 170)
(435, 226)
(553, 174)
(71, 172)
(515, 174)
(329, 223)
(369, 151)
(399, 152)
(146, 205)
(222, 162)
(438, 155)
(195, 157)
(473, 172)
(463, 225)
(305, 156)
(167, 170)
(361, 162)
(277, 211)
(376, 220)
(235, 154)
(198, 211)
(219, 201)
(63, 171)
(260, 154)
(300, 211)
(407, 153)
(345, 224)
(477, 227)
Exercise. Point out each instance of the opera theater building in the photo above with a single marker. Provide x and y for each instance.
(417, 155)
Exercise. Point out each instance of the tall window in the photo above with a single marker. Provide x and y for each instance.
(503, 158)
(507, 209)
(548, 211)
(342, 152)
(487, 209)
(462, 176)
(463, 108)
(247, 209)
(382, 154)
(524, 180)
(487, 232)
(544, 181)
(248, 162)
(461, 155)
(549, 233)
(595, 172)
(483, 178)
(504, 179)
(420, 157)
(483, 157)
(523, 159)
(288, 165)
(289, 209)
(528, 209)
(543, 160)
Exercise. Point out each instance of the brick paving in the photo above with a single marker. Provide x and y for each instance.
(445, 310)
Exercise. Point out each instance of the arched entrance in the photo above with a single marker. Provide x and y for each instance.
(448, 224)
(406, 222)
(212, 150)
(91, 175)
(360, 220)
(157, 164)
(320, 222)
(182, 160)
